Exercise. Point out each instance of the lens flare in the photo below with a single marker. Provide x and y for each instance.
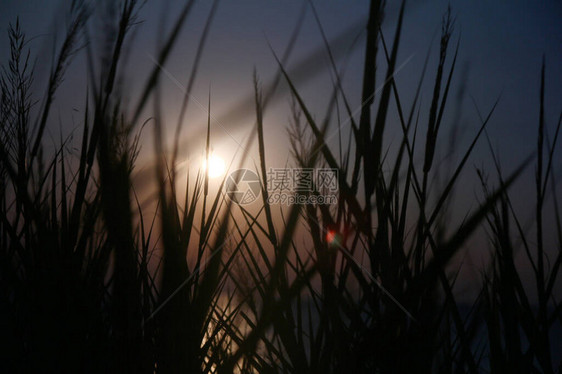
(333, 238)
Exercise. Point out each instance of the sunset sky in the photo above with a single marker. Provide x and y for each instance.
(183, 188)
(501, 48)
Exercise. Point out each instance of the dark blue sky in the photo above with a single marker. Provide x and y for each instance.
(501, 49)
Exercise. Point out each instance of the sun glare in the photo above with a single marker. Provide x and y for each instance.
(215, 167)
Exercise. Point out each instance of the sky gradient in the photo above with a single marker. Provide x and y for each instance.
(501, 50)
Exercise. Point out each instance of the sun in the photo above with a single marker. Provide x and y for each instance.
(216, 166)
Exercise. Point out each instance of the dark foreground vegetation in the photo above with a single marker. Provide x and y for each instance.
(92, 283)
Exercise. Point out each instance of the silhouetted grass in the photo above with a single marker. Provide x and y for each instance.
(91, 283)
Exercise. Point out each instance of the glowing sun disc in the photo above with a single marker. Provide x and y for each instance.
(216, 166)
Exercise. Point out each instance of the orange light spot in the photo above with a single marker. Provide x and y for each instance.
(330, 236)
